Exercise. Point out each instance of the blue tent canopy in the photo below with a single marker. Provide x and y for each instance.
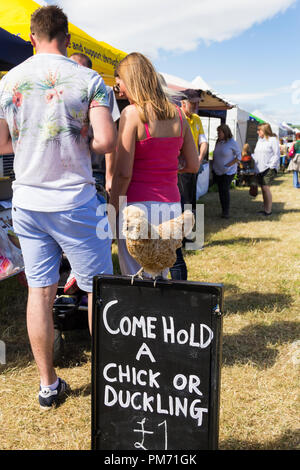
(13, 50)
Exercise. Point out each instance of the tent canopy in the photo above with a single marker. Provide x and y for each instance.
(210, 99)
(287, 127)
(15, 18)
(13, 50)
(255, 118)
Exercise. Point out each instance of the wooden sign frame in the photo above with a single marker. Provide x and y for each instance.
(109, 424)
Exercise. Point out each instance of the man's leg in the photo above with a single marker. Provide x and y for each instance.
(86, 242)
(41, 330)
(227, 183)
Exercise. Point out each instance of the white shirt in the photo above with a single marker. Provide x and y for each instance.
(266, 154)
(225, 152)
(45, 102)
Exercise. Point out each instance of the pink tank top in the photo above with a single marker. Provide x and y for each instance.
(154, 176)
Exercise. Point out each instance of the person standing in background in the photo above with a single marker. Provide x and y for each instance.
(294, 164)
(267, 159)
(187, 182)
(283, 154)
(226, 156)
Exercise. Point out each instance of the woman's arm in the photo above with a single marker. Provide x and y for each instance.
(275, 159)
(189, 150)
(124, 155)
(237, 154)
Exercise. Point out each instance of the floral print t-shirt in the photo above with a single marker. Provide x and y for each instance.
(45, 102)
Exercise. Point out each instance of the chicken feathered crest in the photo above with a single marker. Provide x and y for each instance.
(154, 247)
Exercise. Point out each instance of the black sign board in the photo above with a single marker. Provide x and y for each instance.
(155, 364)
(251, 134)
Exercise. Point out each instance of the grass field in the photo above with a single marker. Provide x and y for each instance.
(258, 261)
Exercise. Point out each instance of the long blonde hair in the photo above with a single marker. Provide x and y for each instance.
(144, 87)
(267, 130)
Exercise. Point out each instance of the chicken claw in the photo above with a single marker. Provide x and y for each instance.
(138, 274)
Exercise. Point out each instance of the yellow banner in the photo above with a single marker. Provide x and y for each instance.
(15, 18)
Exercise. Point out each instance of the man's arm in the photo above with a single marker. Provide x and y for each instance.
(5, 138)
(104, 130)
(203, 144)
(203, 151)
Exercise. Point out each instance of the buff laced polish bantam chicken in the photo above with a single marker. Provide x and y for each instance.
(154, 247)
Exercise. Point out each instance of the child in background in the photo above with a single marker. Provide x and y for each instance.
(246, 166)
(247, 169)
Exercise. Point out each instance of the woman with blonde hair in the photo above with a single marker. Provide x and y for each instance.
(153, 133)
(267, 158)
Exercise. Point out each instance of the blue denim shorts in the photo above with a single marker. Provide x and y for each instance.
(83, 234)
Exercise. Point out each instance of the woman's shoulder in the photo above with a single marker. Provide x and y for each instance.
(130, 114)
(129, 110)
(232, 142)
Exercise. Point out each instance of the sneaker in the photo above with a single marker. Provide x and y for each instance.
(71, 286)
(49, 398)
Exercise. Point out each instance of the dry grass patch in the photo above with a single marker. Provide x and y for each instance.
(258, 261)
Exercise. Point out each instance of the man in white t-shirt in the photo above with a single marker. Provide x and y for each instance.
(46, 106)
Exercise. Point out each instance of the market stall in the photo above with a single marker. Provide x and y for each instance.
(15, 18)
(210, 100)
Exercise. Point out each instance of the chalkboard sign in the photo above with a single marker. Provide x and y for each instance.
(155, 364)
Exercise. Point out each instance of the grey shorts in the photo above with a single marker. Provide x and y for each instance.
(266, 177)
(82, 234)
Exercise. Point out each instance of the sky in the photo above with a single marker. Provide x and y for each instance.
(246, 50)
